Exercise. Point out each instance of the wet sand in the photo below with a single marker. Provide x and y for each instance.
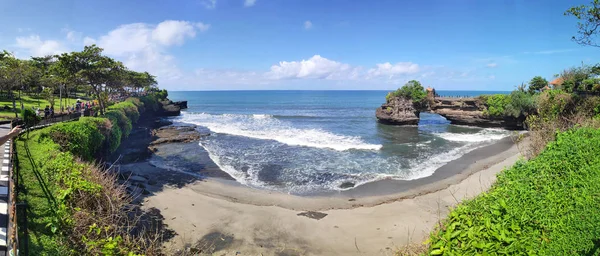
(215, 214)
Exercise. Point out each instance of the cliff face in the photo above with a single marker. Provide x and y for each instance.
(461, 111)
(398, 111)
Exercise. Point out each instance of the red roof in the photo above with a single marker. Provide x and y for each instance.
(557, 81)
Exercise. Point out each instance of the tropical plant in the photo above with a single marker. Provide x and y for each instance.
(537, 84)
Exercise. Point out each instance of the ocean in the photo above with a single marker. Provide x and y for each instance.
(307, 142)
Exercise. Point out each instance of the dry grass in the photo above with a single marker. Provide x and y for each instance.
(114, 216)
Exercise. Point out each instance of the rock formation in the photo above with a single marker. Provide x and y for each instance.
(398, 111)
(469, 111)
(461, 111)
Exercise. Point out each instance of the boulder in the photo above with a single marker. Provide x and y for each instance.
(398, 111)
(171, 110)
(181, 104)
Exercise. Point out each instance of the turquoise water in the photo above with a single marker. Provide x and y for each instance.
(304, 142)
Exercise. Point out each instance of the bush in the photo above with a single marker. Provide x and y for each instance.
(83, 139)
(495, 104)
(412, 90)
(121, 119)
(517, 104)
(76, 208)
(554, 103)
(520, 104)
(546, 206)
(150, 102)
(129, 109)
(30, 118)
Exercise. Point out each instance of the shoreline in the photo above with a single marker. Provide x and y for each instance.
(365, 195)
(212, 212)
(213, 215)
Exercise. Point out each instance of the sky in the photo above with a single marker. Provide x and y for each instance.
(309, 44)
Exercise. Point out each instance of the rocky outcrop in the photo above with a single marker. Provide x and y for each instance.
(181, 104)
(469, 111)
(398, 111)
(170, 109)
(460, 111)
(175, 134)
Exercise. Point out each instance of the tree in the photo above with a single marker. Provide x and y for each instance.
(48, 94)
(412, 90)
(92, 68)
(537, 84)
(588, 24)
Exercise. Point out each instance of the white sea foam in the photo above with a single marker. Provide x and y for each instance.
(268, 128)
(481, 136)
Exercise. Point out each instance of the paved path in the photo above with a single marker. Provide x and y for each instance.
(4, 189)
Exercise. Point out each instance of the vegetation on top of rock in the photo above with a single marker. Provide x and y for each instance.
(517, 104)
(412, 90)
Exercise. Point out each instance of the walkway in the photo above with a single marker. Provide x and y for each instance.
(4, 190)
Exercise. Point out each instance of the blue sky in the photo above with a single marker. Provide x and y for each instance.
(309, 44)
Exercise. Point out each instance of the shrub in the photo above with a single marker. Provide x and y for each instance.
(83, 211)
(554, 103)
(520, 104)
(546, 206)
(412, 90)
(108, 128)
(121, 119)
(129, 109)
(30, 118)
(516, 104)
(150, 102)
(83, 139)
(495, 104)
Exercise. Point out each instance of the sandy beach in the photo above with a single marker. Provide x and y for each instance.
(215, 214)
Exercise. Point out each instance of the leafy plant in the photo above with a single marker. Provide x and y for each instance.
(546, 206)
(412, 90)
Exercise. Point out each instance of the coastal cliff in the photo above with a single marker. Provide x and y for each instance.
(460, 111)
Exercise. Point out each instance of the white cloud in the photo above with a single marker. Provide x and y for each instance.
(71, 35)
(492, 65)
(389, 70)
(202, 27)
(210, 4)
(37, 47)
(551, 51)
(249, 3)
(316, 67)
(143, 47)
(308, 25)
(174, 32)
(88, 41)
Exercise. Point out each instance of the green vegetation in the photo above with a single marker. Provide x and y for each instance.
(412, 90)
(517, 104)
(55, 78)
(546, 206)
(75, 207)
(537, 84)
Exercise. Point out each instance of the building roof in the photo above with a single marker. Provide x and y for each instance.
(557, 81)
(429, 89)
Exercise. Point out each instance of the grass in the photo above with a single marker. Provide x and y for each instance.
(34, 190)
(31, 101)
(549, 205)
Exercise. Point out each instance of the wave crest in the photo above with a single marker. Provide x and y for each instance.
(266, 127)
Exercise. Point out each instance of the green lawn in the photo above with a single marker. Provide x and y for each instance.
(31, 101)
(35, 190)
